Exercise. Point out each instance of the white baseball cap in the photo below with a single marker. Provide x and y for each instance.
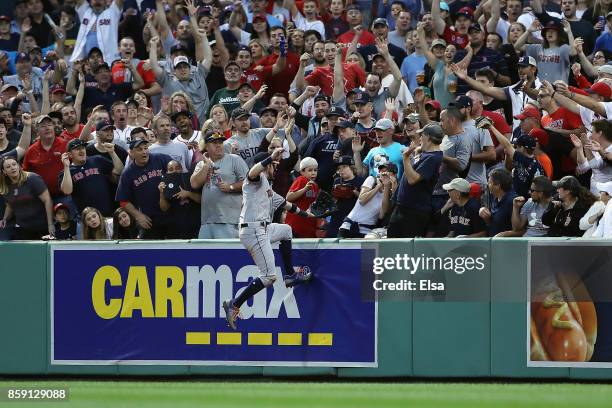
(459, 184)
(180, 59)
(606, 187)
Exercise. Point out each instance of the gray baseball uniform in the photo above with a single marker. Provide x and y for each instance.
(257, 233)
(248, 146)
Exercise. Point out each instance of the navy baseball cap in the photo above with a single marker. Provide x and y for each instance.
(345, 160)
(322, 97)
(103, 65)
(212, 136)
(268, 109)
(94, 49)
(76, 143)
(525, 141)
(346, 124)
(335, 111)
(22, 57)
(105, 124)
(134, 143)
(178, 48)
(526, 61)
(362, 97)
(462, 101)
(179, 113)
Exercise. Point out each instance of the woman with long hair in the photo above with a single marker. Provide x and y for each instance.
(553, 55)
(27, 201)
(510, 54)
(296, 41)
(124, 226)
(563, 215)
(261, 30)
(219, 115)
(599, 8)
(94, 225)
(258, 50)
(180, 101)
(440, 58)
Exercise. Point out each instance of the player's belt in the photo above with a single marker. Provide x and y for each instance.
(254, 224)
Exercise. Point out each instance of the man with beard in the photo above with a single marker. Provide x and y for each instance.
(527, 69)
(317, 56)
(87, 178)
(99, 28)
(245, 141)
(104, 135)
(457, 35)
(482, 57)
(380, 28)
(254, 74)
(70, 122)
(228, 96)
(105, 92)
(44, 156)
(323, 75)
(57, 123)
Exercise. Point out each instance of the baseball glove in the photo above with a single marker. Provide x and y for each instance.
(483, 122)
(324, 205)
(340, 191)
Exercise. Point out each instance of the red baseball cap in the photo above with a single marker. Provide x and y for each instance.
(261, 16)
(529, 112)
(540, 135)
(434, 104)
(601, 89)
(475, 190)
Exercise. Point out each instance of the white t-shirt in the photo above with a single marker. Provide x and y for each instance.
(366, 214)
(519, 99)
(245, 36)
(588, 116)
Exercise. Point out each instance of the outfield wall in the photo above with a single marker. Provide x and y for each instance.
(481, 338)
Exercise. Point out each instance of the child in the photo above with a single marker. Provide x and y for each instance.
(65, 228)
(124, 227)
(345, 190)
(94, 225)
(303, 192)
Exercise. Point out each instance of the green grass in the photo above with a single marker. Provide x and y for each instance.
(251, 394)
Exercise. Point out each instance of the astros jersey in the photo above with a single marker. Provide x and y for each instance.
(259, 201)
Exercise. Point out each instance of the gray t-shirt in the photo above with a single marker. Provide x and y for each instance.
(479, 140)
(533, 211)
(456, 146)
(219, 207)
(247, 146)
(553, 63)
(177, 150)
(195, 87)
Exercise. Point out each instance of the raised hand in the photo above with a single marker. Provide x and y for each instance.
(356, 144)
(578, 42)
(277, 153)
(390, 104)
(65, 160)
(576, 141)
(262, 91)
(459, 71)
(576, 69)
(191, 7)
(382, 46)
(26, 25)
(535, 26)
(27, 82)
(26, 119)
(304, 59)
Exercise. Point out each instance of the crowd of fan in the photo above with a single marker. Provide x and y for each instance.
(139, 119)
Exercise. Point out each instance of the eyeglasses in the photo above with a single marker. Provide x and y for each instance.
(599, 56)
(531, 190)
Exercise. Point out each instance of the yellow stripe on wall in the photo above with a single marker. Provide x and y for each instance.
(197, 338)
(229, 338)
(289, 339)
(320, 339)
(260, 339)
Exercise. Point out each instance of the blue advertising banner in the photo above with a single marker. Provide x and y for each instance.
(162, 304)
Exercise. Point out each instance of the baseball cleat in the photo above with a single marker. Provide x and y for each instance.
(231, 313)
(302, 274)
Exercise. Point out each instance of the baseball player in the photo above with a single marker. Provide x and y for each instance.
(257, 233)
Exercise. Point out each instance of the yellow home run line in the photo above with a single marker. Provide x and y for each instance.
(259, 339)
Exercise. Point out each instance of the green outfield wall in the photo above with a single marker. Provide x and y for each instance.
(482, 338)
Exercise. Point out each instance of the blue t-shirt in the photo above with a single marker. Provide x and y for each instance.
(524, 169)
(411, 66)
(322, 149)
(418, 196)
(91, 187)
(501, 213)
(393, 153)
(138, 185)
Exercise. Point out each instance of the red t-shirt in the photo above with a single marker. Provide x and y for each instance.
(366, 38)
(256, 78)
(354, 77)
(453, 37)
(303, 227)
(500, 124)
(562, 119)
(121, 75)
(281, 82)
(47, 164)
(69, 136)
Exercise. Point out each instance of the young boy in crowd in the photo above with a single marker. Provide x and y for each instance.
(345, 190)
(65, 228)
(303, 192)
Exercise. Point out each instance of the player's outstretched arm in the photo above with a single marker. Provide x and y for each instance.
(260, 167)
